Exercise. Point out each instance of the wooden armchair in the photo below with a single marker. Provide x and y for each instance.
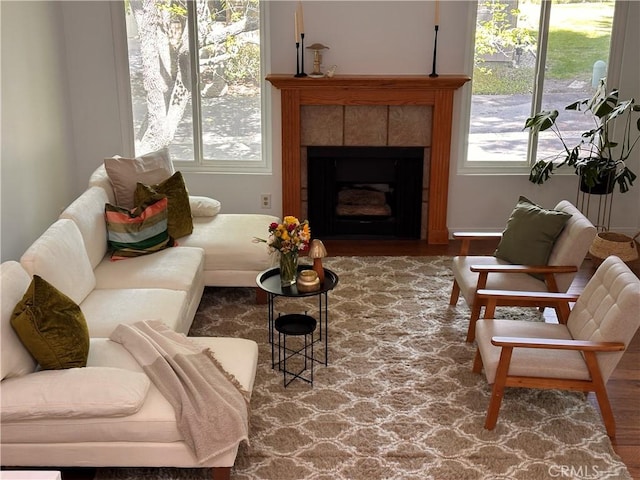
(476, 272)
(579, 356)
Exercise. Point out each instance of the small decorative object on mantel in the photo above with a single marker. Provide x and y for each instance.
(308, 281)
(288, 239)
(317, 251)
(435, 42)
(317, 59)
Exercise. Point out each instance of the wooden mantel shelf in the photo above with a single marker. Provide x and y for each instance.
(454, 82)
(371, 90)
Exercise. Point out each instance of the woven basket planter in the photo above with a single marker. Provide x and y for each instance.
(611, 243)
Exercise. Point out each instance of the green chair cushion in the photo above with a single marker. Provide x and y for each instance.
(530, 234)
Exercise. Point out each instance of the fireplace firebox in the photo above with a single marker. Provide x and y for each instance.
(365, 192)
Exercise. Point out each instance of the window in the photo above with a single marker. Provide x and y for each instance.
(531, 56)
(195, 77)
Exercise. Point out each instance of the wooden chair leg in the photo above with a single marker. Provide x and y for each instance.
(601, 393)
(455, 293)
(221, 473)
(475, 315)
(477, 362)
(498, 388)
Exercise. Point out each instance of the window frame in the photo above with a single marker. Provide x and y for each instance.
(522, 166)
(199, 164)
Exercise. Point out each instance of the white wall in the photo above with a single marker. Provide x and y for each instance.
(365, 37)
(38, 164)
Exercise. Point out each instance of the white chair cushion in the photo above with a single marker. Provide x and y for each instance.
(16, 359)
(87, 212)
(74, 393)
(529, 362)
(468, 280)
(607, 310)
(572, 244)
(59, 256)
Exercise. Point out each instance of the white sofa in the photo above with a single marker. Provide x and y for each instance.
(146, 437)
(232, 258)
(141, 429)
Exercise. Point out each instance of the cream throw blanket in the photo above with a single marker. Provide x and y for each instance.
(211, 407)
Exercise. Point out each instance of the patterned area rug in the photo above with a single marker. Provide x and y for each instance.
(398, 399)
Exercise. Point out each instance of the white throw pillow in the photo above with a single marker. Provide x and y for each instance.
(204, 206)
(74, 393)
(124, 173)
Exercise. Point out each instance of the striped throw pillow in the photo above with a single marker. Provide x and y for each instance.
(143, 230)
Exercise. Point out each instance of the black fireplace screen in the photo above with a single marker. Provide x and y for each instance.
(365, 192)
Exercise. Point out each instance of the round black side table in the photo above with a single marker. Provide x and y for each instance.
(295, 324)
(269, 281)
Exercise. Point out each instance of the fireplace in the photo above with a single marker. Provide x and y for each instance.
(365, 192)
(355, 91)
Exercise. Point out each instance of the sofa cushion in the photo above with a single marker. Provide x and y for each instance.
(530, 234)
(74, 393)
(141, 231)
(87, 212)
(59, 256)
(155, 421)
(124, 173)
(204, 206)
(105, 309)
(51, 326)
(179, 217)
(16, 359)
(228, 241)
(99, 178)
(172, 268)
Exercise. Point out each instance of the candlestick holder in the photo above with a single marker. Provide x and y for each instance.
(298, 74)
(302, 74)
(435, 53)
(300, 53)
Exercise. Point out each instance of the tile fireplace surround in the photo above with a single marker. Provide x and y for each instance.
(371, 90)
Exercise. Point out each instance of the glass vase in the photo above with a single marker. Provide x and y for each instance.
(288, 268)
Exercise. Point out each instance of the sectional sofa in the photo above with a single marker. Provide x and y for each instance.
(109, 413)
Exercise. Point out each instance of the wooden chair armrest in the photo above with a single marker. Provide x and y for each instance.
(476, 235)
(467, 237)
(547, 298)
(524, 268)
(557, 344)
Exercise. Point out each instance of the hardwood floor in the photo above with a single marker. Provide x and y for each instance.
(623, 386)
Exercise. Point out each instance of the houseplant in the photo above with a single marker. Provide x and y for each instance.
(597, 159)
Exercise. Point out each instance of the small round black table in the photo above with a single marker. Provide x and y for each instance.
(295, 324)
(269, 281)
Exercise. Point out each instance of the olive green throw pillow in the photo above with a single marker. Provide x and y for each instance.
(530, 234)
(51, 326)
(180, 220)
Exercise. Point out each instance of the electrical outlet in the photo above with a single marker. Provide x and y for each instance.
(265, 200)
